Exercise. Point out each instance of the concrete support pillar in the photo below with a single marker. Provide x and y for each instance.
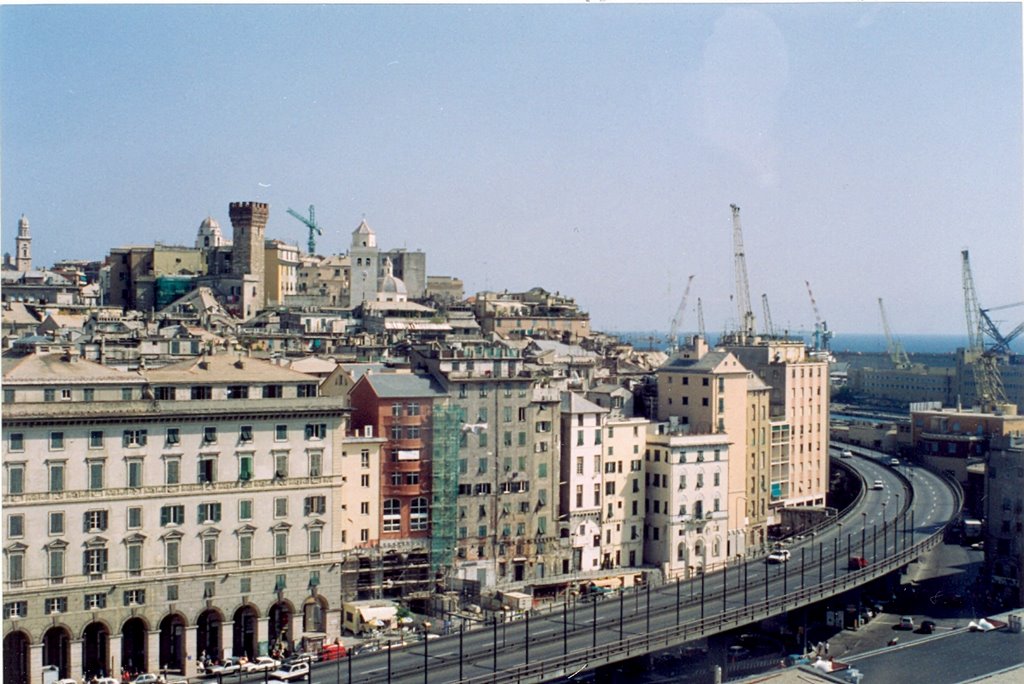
(75, 659)
(191, 652)
(263, 636)
(115, 656)
(35, 664)
(153, 651)
(227, 639)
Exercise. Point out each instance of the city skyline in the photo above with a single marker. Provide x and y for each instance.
(588, 150)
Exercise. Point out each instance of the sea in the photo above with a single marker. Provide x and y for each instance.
(841, 342)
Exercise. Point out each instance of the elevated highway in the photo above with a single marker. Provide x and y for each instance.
(889, 527)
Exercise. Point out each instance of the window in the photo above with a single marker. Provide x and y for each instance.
(364, 535)
(281, 464)
(55, 605)
(364, 508)
(245, 509)
(412, 409)
(56, 523)
(133, 438)
(207, 469)
(172, 471)
(134, 517)
(418, 514)
(135, 597)
(94, 561)
(245, 467)
(16, 441)
(364, 459)
(316, 459)
(126, 394)
(172, 515)
(579, 465)
(56, 441)
(315, 535)
(134, 472)
(94, 521)
(209, 552)
(364, 481)
(280, 433)
(281, 545)
(281, 507)
(8, 395)
(134, 558)
(56, 477)
(172, 555)
(88, 394)
(95, 471)
(542, 470)
(173, 436)
(49, 394)
(200, 392)
(316, 431)
(315, 505)
(96, 439)
(208, 513)
(209, 435)
(392, 515)
(163, 393)
(16, 525)
(15, 568)
(412, 432)
(245, 434)
(95, 601)
(273, 391)
(245, 549)
(238, 392)
(306, 390)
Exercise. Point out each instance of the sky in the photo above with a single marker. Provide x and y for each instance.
(589, 149)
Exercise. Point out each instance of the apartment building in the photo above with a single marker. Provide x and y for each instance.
(154, 516)
(581, 490)
(622, 542)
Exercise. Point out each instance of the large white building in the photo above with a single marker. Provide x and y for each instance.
(150, 517)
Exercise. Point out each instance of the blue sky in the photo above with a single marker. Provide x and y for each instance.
(588, 149)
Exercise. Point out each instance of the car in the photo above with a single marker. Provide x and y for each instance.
(737, 651)
(148, 678)
(228, 667)
(261, 664)
(894, 461)
(927, 627)
(846, 453)
(857, 563)
(906, 622)
(978, 546)
(878, 484)
(290, 671)
(104, 680)
(778, 556)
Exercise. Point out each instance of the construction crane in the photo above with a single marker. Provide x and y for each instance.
(896, 351)
(769, 329)
(677, 320)
(746, 314)
(822, 335)
(310, 223)
(988, 385)
(700, 319)
(1002, 342)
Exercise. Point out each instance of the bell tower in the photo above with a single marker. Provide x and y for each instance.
(23, 260)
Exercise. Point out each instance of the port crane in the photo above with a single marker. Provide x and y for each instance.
(896, 351)
(310, 223)
(988, 385)
(746, 314)
(677, 320)
(769, 329)
(700, 319)
(822, 335)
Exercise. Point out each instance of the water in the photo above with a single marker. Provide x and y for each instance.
(845, 342)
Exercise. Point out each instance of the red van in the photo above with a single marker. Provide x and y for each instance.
(332, 652)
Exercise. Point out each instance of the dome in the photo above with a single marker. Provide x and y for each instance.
(209, 225)
(393, 285)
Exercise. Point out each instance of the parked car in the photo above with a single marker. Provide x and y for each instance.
(894, 461)
(290, 671)
(878, 484)
(846, 454)
(857, 563)
(104, 680)
(927, 627)
(261, 664)
(148, 678)
(778, 556)
(228, 667)
(906, 622)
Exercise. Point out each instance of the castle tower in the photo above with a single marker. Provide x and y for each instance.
(249, 224)
(365, 265)
(23, 260)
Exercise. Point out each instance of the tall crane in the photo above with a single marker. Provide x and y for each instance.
(677, 320)
(700, 319)
(988, 385)
(822, 335)
(896, 351)
(769, 329)
(310, 223)
(746, 314)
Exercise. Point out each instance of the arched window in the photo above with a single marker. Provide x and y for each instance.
(681, 552)
(418, 514)
(392, 515)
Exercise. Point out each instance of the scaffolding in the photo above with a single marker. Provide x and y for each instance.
(445, 487)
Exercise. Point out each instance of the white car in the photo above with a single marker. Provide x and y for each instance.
(148, 678)
(778, 556)
(894, 462)
(846, 454)
(291, 671)
(261, 664)
(878, 484)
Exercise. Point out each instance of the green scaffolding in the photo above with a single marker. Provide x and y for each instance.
(444, 487)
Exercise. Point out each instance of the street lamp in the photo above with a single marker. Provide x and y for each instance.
(863, 531)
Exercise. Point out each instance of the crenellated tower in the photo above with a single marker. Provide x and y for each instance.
(249, 225)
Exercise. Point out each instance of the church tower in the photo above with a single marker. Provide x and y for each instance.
(23, 261)
(365, 265)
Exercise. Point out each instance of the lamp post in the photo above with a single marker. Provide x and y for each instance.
(725, 584)
(896, 526)
(802, 565)
(702, 592)
(863, 531)
(885, 532)
(426, 644)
